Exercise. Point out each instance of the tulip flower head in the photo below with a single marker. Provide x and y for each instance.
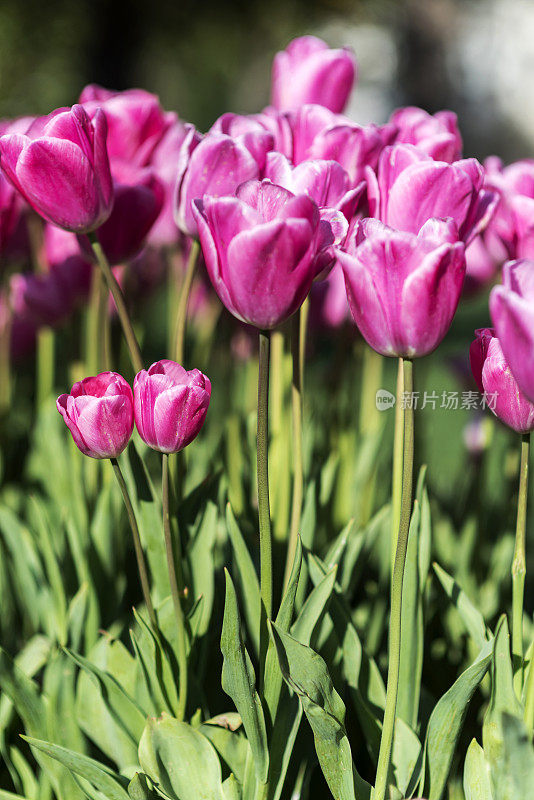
(99, 414)
(494, 379)
(61, 168)
(308, 71)
(403, 288)
(170, 405)
(512, 313)
(260, 249)
(434, 134)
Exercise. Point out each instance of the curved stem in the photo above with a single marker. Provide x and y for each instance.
(118, 297)
(264, 514)
(140, 556)
(185, 291)
(175, 591)
(104, 328)
(298, 466)
(519, 567)
(398, 443)
(388, 727)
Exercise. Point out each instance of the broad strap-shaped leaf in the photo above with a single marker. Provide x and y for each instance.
(477, 783)
(306, 673)
(138, 788)
(229, 742)
(156, 669)
(471, 617)
(200, 558)
(513, 774)
(180, 760)
(313, 609)
(247, 577)
(239, 682)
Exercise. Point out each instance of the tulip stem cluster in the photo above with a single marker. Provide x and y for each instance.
(388, 727)
(519, 566)
(175, 589)
(297, 334)
(141, 563)
(397, 464)
(183, 302)
(264, 513)
(118, 297)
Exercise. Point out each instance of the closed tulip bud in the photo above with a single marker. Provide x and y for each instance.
(494, 379)
(99, 414)
(259, 249)
(403, 288)
(410, 188)
(308, 71)
(170, 405)
(437, 135)
(512, 313)
(61, 168)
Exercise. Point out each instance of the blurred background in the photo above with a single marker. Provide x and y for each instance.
(210, 57)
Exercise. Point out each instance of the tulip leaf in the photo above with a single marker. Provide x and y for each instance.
(471, 617)
(155, 666)
(513, 773)
(179, 760)
(238, 681)
(477, 784)
(248, 579)
(314, 608)
(138, 788)
(231, 745)
(200, 557)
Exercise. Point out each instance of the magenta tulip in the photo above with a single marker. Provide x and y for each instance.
(308, 71)
(10, 209)
(514, 185)
(494, 378)
(436, 135)
(251, 131)
(99, 414)
(260, 249)
(512, 313)
(403, 289)
(170, 405)
(61, 168)
(164, 162)
(410, 188)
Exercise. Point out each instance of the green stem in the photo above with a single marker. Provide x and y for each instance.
(398, 443)
(181, 313)
(372, 370)
(264, 514)
(118, 297)
(104, 327)
(388, 727)
(175, 591)
(5, 363)
(519, 567)
(45, 364)
(298, 466)
(529, 702)
(140, 556)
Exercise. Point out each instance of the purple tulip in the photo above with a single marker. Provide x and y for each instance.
(99, 414)
(436, 135)
(260, 250)
(164, 162)
(308, 71)
(216, 165)
(40, 299)
(513, 217)
(512, 313)
(61, 168)
(170, 405)
(484, 257)
(495, 380)
(403, 288)
(410, 188)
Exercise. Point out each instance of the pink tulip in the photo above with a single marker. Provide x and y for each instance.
(329, 307)
(259, 249)
(251, 131)
(164, 162)
(484, 258)
(318, 133)
(216, 165)
(40, 299)
(10, 209)
(136, 121)
(99, 414)
(64, 256)
(512, 313)
(403, 288)
(514, 186)
(495, 380)
(308, 71)
(436, 135)
(410, 188)
(170, 405)
(61, 168)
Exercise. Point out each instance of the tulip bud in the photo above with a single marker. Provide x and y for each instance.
(308, 71)
(512, 313)
(99, 414)
(494, 378)
(170, 405)
(61, 168)
(403, 289)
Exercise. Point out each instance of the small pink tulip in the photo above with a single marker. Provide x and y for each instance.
(216, 165)
(436, 135)
(512, 313)
(308, 71)
(170, 405)
(403, 288)
(494, 378)
(260, 250)
(410, 188)
(61, 168)
(99, 414)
